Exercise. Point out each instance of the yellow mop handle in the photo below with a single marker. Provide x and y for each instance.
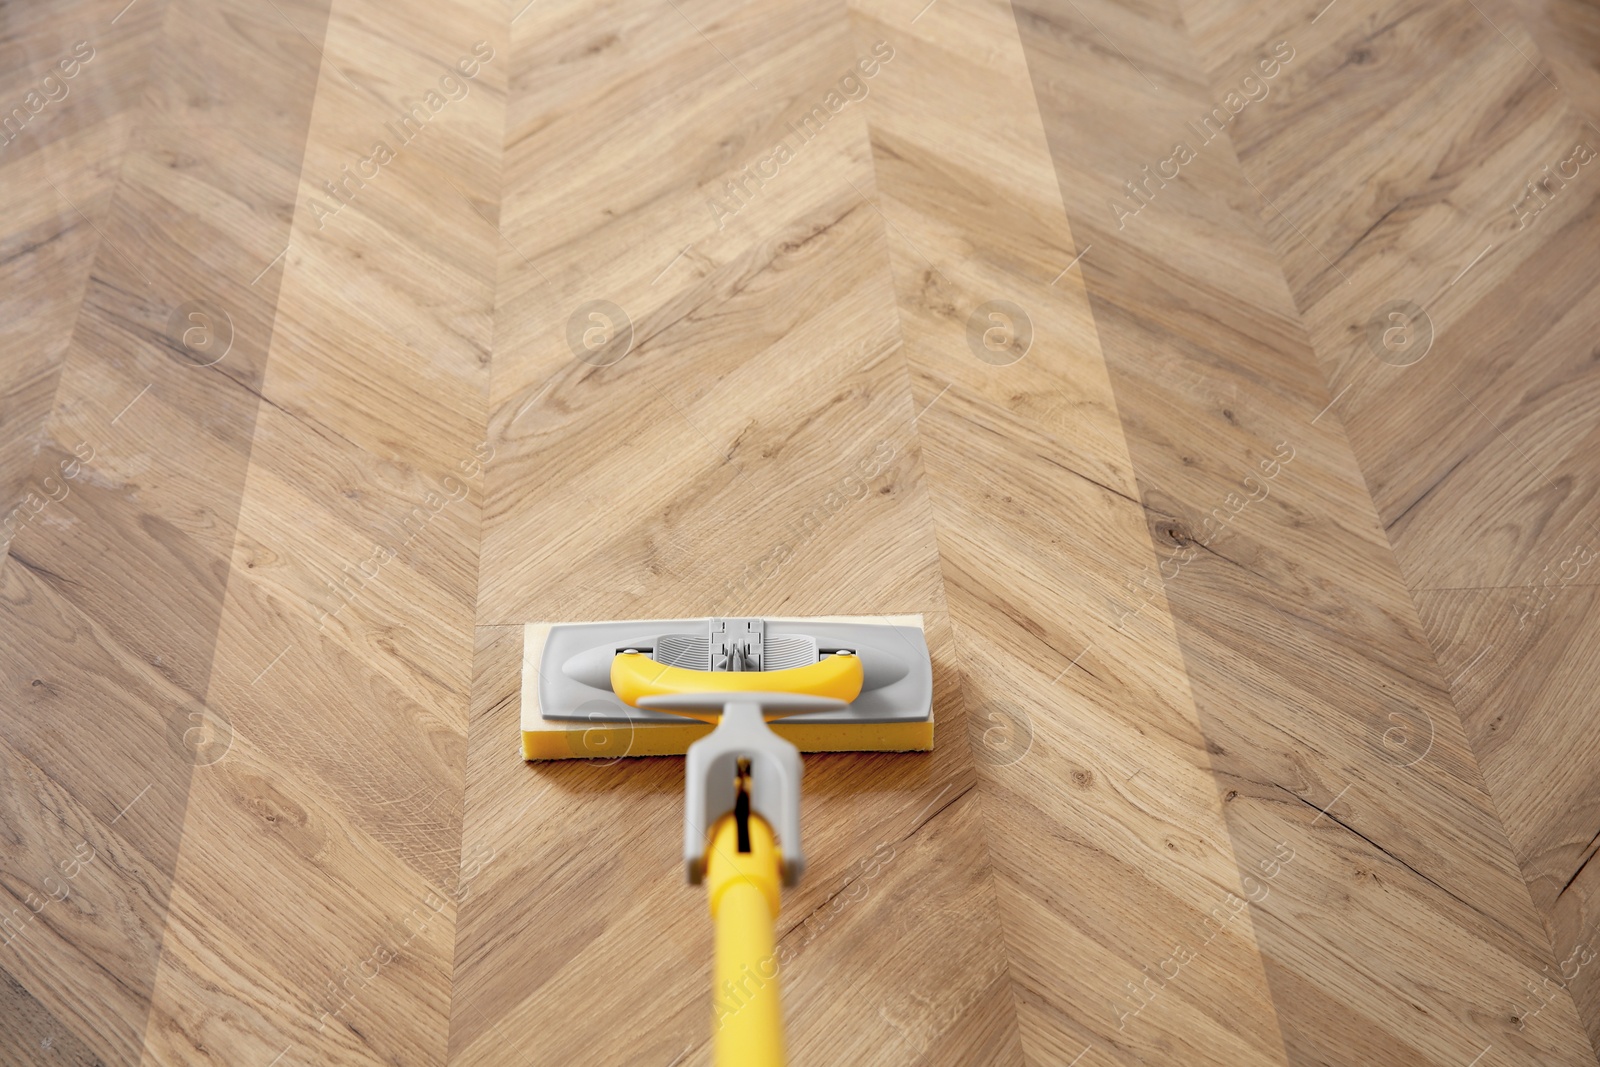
(744, 905)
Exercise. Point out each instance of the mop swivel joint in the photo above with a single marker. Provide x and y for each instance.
(742, 752)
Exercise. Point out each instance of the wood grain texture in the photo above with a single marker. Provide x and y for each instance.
(1259, 532)
(1261, 646)
(1478, 450)
(359, 512)
(114, 589)
(1039, 533)
(1567, 33)
(71, 86)
(752, 452)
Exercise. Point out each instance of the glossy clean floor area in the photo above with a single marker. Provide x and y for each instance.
(1218, 379)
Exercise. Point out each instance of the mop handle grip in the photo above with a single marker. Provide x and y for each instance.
(743, 894)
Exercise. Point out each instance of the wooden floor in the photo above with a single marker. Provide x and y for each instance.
(1218, 378)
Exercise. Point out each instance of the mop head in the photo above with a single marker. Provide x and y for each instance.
(580, 682)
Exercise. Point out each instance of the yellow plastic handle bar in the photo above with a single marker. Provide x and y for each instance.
(635, 675)
(743, 892)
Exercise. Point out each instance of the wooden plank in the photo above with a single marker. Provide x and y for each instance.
(1299, 637)
(342, 662)
(1477, 440)
(71, 75)
(120, 578)
(1567, 34)
(1094, 783)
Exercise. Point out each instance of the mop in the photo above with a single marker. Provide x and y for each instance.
(740, 698)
